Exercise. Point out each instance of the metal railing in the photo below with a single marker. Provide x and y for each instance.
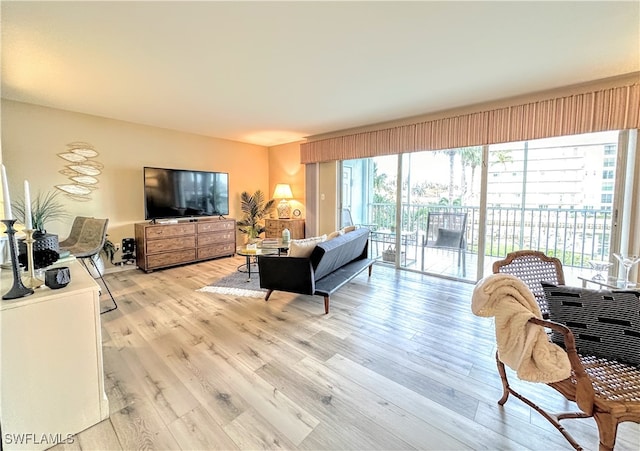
(575, 236)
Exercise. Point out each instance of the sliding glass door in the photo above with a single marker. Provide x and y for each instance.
(555, 195)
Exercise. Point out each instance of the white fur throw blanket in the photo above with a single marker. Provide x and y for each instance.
(522, 346)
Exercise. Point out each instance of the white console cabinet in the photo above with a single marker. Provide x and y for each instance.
(51, 373)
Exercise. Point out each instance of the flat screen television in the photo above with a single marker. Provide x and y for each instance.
(178, 193)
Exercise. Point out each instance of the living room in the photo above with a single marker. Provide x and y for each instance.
(165, 316)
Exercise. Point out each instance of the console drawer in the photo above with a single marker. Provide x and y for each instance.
(218, 237)
(169, 230)
(170, 244)
(170, 258)
(215, 226)
(218, 250)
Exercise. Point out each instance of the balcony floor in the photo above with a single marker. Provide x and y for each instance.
(444, 263)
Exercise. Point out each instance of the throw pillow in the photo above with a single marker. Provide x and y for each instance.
(348, 229)
(448, 238)
(605, 323)
(335, 234)
(304, 248)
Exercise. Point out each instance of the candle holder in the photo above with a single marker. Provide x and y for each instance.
(31, 280)
(18, 290)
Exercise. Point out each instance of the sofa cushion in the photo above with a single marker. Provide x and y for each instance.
(304, 247)
(605, 323)
(335, 234)
(331, 255)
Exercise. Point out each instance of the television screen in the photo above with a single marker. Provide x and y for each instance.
(177, 193)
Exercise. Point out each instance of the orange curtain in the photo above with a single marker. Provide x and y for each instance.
(615, 108)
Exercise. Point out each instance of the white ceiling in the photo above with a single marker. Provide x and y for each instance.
(274, 72)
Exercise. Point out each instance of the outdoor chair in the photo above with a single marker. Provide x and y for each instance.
(532, 267)
(446, 231)
(347, 220)
(87, 244)
(604, 373)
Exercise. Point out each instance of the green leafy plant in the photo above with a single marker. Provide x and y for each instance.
(255, 209)
(44, 208)
(109, 249)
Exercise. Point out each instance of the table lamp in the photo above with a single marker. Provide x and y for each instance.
(283, 192)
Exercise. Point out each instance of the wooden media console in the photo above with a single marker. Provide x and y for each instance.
(170, 244)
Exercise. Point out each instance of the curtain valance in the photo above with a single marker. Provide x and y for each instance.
(613, 108)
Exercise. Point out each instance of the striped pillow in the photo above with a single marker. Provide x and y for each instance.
(605, 323)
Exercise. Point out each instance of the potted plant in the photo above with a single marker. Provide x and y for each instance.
(109, 250)
(44, 208)
(255, 209)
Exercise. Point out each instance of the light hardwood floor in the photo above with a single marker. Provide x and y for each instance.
(400, 362)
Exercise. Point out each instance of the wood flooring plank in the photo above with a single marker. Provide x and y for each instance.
(284, 414)
(200, 377)
(102, 436)
(251, 431)
(160, 386)
(444, 418)
(341, 424)
(138, 426)
(197, 430)
(387, 366)
(380, 408)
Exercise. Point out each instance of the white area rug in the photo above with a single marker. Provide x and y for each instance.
(236, 284)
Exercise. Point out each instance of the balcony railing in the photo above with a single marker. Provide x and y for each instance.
(575, 236)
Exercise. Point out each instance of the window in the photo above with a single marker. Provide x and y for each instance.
(607, 174)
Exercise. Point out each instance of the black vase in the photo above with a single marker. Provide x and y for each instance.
(45, 249)
(56, 278)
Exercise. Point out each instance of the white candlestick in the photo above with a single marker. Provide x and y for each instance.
(5, 195)
(28, 223)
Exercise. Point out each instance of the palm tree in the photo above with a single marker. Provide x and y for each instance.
(452, 155)
(472, 157)
(255, 209)
(504, 157)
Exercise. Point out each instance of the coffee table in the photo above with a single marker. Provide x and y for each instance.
(249, 253)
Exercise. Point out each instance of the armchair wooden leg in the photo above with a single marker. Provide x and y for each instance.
(505, 381)
(266, 297)
(607, 430)
(326, 305)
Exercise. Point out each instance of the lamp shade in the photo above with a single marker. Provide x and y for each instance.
(282, 191)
